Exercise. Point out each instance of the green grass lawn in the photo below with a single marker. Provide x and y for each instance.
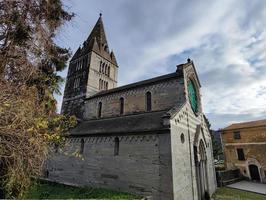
(58, 191)
(234, 194)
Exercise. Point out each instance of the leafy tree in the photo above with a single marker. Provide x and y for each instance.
(216, 146)
(29, 62)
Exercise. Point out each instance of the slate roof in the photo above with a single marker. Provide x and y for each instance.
(246, 125)
(149, 121)
(96, 42)
(98, 33)
(137, 84)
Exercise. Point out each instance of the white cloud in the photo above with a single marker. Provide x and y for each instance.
(226, 39)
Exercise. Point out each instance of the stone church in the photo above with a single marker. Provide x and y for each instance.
(148, 138)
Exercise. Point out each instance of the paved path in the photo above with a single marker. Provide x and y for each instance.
(249, 186)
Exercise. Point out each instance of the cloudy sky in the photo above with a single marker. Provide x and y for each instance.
(226, 39)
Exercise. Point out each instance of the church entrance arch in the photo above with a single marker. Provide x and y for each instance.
(201, 170)
(254, 172)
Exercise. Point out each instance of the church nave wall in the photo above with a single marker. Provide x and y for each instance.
(142, 166)
(135, 99)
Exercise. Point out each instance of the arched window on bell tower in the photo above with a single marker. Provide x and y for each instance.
(105, 69)
(100, 84)
(90, 62)
(100, 69)
(106, 48)
(148, 101)
(108, 73)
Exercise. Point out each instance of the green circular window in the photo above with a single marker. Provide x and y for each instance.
(192, 95)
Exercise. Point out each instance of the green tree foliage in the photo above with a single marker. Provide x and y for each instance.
(216, 146)
(29, 62)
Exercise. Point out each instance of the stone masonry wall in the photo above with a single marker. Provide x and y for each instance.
(256, 134)
(164, 95)
(89, 76)
(185, 124)
(143, 165)
(95, 75)
(252, 152)
(253, 143)
(74, 94)
(183, 160)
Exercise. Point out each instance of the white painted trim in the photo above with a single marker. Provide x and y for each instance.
(246, 143)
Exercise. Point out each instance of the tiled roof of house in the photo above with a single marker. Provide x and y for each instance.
(246, 124)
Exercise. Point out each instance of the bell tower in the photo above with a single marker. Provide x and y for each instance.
(93, 68)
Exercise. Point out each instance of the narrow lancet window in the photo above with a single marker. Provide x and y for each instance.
(121, 106)
(100, 84)
(105, 70)
(109, 71)
(100, 69)
(81, 146)
(148, 101)
(116, 150)
(100, 110)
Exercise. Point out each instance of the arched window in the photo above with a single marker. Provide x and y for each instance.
(121, 100)
(46, 173)
(106, 85)
(100, 69)
(56, 146)
(116, 150)
(100, 109)
(100, 84)
(105, 48)
(108, 71)
(105, 70)
(77, 65)
(78, 82)
(81, 146)
(182, 138)
(148, 101)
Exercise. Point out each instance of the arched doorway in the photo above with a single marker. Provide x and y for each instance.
(254, 172)
(201, 169)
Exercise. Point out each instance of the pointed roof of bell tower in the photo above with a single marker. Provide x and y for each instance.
(98, 33)
(96, 42)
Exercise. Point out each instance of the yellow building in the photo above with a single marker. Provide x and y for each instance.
(245, 148)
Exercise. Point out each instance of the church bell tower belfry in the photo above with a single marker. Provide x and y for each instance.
(93, 68)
